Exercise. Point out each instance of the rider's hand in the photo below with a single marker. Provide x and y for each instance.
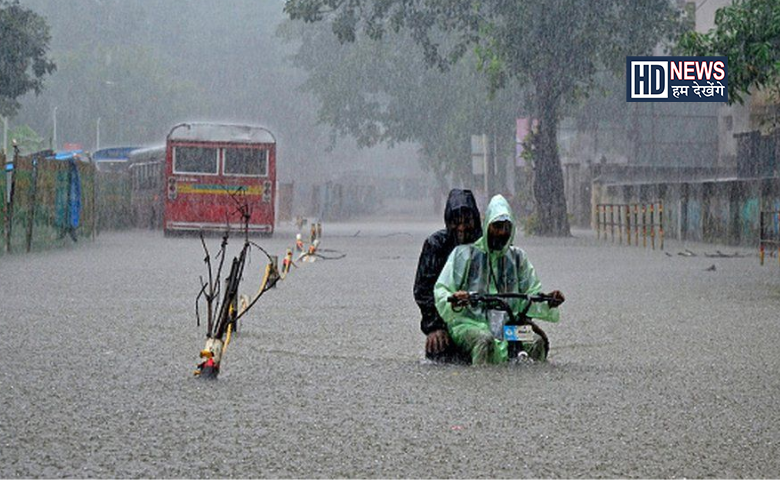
(462, 298)
(437, 342)
(557, 300)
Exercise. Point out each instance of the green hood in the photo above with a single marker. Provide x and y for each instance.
(498, 207)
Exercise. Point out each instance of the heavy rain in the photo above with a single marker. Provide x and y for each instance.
(325, 238)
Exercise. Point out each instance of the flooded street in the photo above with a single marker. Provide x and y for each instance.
(659, 368)
(384, 118)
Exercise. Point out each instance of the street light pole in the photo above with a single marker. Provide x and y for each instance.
(97, 135)
(54, 132)
(485, 150)
(5, 136)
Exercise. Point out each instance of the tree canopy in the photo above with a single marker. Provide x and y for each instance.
(142, 67)
(553, 47)
(747, 32)
(379, 91)
(24, 36)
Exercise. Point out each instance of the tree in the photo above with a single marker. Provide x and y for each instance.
(142, 67)
(24, 36)
(375, 92)
(554, 47)
(747, 32)
(27, 139)
(131, 88)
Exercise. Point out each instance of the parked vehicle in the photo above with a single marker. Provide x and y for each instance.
(211, 170)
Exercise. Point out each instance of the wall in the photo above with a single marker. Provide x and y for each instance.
(40, 211)
(579, 178)
(715, 211)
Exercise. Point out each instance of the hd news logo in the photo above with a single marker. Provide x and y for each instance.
(676, 79)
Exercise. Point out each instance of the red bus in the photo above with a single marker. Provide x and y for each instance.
(211, 170)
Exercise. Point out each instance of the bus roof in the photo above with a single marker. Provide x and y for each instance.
(68, 155)
(156, 152)
(213, 132)
(114, 154)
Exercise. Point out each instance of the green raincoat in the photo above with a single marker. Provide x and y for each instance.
(474, 268)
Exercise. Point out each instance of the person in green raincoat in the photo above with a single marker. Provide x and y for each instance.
(488, 266)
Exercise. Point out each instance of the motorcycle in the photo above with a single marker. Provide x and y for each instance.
(516, 329)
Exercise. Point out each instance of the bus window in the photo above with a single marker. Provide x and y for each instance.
(195, 160)
(246, 162)
(145, 177)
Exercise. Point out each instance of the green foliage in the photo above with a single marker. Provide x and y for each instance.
(379, 91)
(24, 41)
(131, 88)
(27, 139)
(554, 48)
(748, 34)
(529, 147)
(530, 225)
(142, 67)
(529, 40)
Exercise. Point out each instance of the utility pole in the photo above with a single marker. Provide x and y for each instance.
(9, 200)
(97, 135)
(54, 132)
(486, 150)
(5, 136)
(9, 177)
(9, 166)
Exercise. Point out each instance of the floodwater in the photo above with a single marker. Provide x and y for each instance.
(659, 367)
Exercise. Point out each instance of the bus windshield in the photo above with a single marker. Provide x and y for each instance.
(201, 160)
(246, 162)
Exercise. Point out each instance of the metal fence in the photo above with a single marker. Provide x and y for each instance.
(769, 235)
(632, 220)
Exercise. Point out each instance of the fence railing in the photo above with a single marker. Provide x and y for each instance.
(632, 220)
(769, 235)
(46, 201)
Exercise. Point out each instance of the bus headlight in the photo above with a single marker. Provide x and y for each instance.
(267, 191)
(172, 189)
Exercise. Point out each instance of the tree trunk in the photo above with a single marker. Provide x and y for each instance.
(552, 219)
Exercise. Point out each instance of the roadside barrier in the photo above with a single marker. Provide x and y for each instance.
(224, 304)
(632, 220)
(287, 262)
(48, 200)
(769, 234)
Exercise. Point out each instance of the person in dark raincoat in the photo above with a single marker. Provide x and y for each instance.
(462, 219)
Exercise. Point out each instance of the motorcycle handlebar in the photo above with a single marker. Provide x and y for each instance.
(475, 297)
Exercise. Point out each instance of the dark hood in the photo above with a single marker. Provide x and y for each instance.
(459, 198)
